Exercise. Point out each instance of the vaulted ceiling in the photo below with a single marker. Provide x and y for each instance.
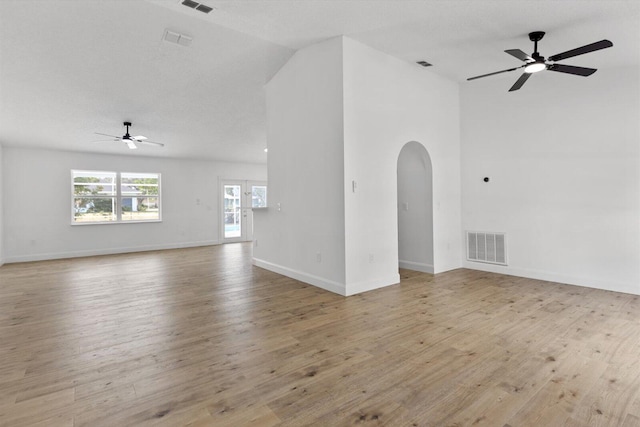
(69, 68)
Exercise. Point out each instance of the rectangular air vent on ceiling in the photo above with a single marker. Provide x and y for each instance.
(487, 247)
(203, 8)
(197, 6)
(177, 38)
(191, 4)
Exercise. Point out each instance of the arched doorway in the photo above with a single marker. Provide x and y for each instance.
(415, 208)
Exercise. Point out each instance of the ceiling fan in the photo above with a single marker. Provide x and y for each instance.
(130, 140)
(536, 62)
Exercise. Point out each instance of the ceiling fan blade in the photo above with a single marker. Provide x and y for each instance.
(520, 55)
(130, 144)
(106, 140)
(157, 144)
(571, 69)
(518, 84)
(139, 138)
(602, 44)
(106, 134)
(491, 74)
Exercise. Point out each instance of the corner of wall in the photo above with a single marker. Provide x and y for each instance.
(568, 202)
(320, 282)
(301, 234)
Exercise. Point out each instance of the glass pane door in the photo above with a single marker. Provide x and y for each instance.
(232, 211)
(239, 198)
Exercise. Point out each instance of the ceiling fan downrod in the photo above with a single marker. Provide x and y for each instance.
(535, 37)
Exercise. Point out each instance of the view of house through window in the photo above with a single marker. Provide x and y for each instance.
(258, 196)
(140, 196)
(108, 197)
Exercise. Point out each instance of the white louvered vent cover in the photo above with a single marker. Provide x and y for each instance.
(487, 247)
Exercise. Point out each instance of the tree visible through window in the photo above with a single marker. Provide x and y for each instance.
(108, 197)
(258, 196)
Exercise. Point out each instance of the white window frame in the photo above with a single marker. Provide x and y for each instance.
(117, 197)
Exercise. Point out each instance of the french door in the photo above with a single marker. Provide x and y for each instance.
(239, 198)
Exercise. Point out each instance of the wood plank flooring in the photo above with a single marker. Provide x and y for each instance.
(200, 337)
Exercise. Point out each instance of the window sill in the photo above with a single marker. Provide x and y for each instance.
(117, 222)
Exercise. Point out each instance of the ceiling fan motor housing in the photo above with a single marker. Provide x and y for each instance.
(537, 57)
(536, 36)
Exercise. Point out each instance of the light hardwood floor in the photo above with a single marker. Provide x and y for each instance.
(200, 337)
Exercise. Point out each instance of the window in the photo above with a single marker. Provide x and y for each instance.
(112, 197)
(258, 196)
(94, 196)
(140, 196)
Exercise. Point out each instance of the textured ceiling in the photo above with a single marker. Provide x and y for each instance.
(71, 68)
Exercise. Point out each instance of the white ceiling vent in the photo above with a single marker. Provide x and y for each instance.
(487, 247)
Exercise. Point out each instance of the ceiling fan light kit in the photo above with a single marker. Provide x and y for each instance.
(535, 62)
(129, 140)
(535, 67)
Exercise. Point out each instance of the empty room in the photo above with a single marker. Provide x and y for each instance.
(319, 213)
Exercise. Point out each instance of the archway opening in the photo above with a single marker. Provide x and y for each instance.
(415, 208)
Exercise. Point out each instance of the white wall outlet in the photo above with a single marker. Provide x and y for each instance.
(354, 186)
(255, 243)
(279, 207)
(318, 257)
(371, 259)
(405, 206)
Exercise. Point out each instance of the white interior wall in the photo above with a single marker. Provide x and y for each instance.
(1, 209)
(389, 102)
(305, 238)
(563, 157)
(37, 202)
(339, 113)
(415, 209)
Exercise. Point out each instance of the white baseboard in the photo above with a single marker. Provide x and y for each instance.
(317, 281)
(416, 266)
(109, 251)
(607, 285)
(369, 285)
(329, 285)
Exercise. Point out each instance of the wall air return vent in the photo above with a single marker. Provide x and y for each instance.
(487, 247)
